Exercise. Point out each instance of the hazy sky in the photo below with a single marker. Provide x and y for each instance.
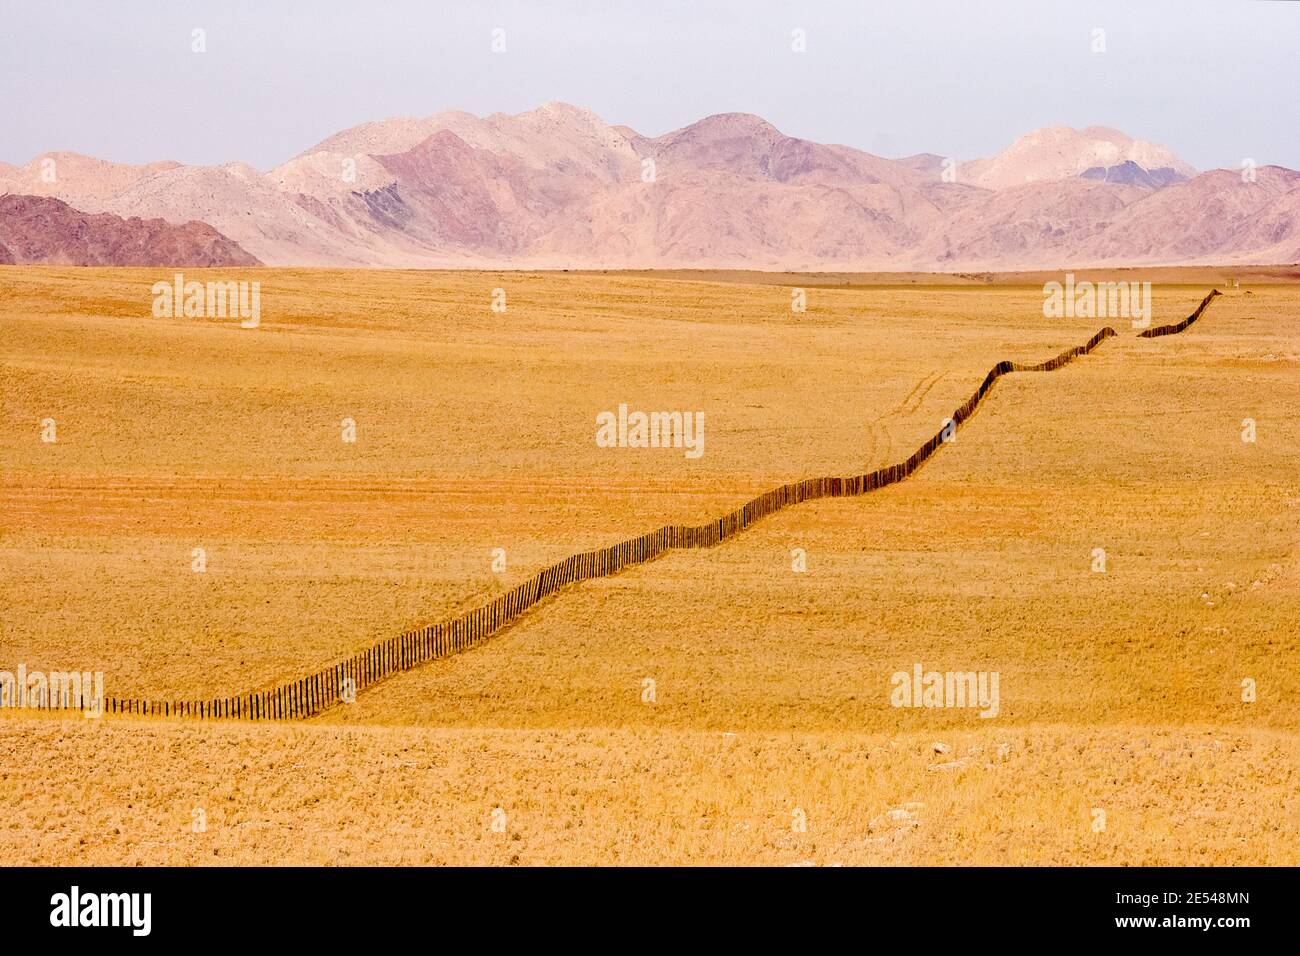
(1215, 81)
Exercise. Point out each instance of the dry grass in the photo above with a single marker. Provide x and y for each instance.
(326, 795)
(476, 432)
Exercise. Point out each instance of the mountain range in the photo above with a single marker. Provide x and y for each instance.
(557, 187)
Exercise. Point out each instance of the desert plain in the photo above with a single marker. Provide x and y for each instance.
(1103, 537)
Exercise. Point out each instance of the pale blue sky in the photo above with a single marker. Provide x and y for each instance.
(1215, 80)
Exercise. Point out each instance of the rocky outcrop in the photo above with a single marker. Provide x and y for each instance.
(44, 230)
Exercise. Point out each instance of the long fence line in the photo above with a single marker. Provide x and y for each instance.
(1179, 326)
(343, 679)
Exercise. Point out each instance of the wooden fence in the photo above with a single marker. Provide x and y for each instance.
(1179, 326)
(344, 678)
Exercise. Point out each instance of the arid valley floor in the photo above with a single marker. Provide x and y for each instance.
(1123, 735)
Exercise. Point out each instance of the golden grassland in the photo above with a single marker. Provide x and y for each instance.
(1119, 690)
(126, 793)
